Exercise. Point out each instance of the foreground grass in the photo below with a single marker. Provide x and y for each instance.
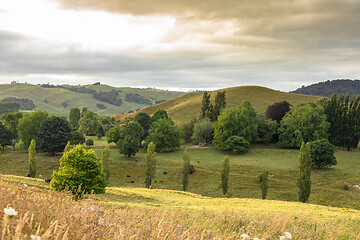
(138, 213)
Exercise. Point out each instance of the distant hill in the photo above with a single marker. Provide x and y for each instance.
(186, 107)
(100, 98)
(328, 88)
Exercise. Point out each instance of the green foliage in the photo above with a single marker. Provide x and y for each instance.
(306, 122)
(79, 170)
(304, 181)
(5, 136)
(67, 147)
(277, 111)
(225, 175)
(208, 110)
(77, 138)
(29, 125)
(159, 114)
(150, 160)
(322, 153)
(343, 115)
(130, 138)
(32, 159)
(263, 180)
(89, 122)
(187, 130)
(266, 131)
(240, 121)
(89, 142)
(186, 170)
(205, 105)
(74, 117)
(237, 144)
(202, 131)
(9, 107)
(145, 122)
(114, 134)
(165, 135)
(11, 121)
(105, 157)
(53, 135)
(220, 104)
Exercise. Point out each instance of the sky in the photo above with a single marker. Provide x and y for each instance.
(180, 44)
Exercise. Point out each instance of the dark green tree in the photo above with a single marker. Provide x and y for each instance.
(53, 135)
(32, 159)
(79, 170)
(322, 153)
(225, 175)
(11, 121)
(150, 160)
(267, 130)
(304, 181)
(205, 105)
(77, 138)
(130, 137)
(29, 125)
(220, 104)
(89, 123)
(105, 157)
(263, 180)
(89, 142)
(165, 135)
(240, 121)
(74, 117)
(187, 130)
(277, 111)
(5, 137)
(159, 114)
(305, 122)
(145, 122)
(186, 170)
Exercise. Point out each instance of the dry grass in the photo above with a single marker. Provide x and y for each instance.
(56, 216)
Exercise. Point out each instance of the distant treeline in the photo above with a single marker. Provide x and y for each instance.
(25, 104)
(328, 88)
(136, 98)
(9, 107)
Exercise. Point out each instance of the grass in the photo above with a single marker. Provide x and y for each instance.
(186, 107)
(327, 184)
(57, 96)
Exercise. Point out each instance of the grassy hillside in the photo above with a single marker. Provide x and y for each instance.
(60, 100)
(185, 107)
(139, 213)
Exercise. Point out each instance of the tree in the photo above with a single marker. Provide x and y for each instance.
(89, 123)
(263, 180)
(74, 117)
(145, 122)
(237, 144)
(114, 134)
(105, 157)
(202, 131)
(53, 135)
(267, 130)
(240, 121)
(79, 170)
(304, 182)
(29, 125)
(277, 111)
(343, 115)
(32, 158)
(205, 104)
(11, 121)
(5, 136)
(130, 137)
(165, 135)
(225, 175)
(220, 104)
(306, 123)
(77, 138)
(187, 130)
(322, 153)
(186, 170)
(150, 159)
(159, 114)
(89, 142)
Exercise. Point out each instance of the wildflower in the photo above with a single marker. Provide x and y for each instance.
(282, 238)
(288, 235)
(25, 185)
(256, 239)
(10, 211)
(245, 236)
(179, 230)
(35, 237)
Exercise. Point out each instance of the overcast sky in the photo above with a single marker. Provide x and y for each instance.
(187, 44)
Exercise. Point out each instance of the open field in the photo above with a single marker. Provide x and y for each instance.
(327, 184)
(188, 106)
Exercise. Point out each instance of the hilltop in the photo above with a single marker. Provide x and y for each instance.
(187, 106)
(328, 88)
(100, 98)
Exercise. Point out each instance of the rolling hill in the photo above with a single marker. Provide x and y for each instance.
(102, 99)
(187, 106)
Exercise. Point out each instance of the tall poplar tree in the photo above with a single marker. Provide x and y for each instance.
(32, 158)
(225, 175)
(74, 117)
(205, 104)
(150, 159)
(105, 156)
(304, 181)
(186, 170)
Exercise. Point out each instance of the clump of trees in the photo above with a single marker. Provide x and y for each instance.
(10, 122)
(212, 111)
(89, 122)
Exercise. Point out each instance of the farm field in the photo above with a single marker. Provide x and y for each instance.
(327, 184)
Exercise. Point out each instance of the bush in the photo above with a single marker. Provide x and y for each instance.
(79, 170)
(89, 142)
(191, 169)
(322, 153)
(237, 144)
(77, 138)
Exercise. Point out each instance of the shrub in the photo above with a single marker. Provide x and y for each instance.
(77, 138)
(322, 153)
(191, 169)
(237, 144)
(79, 170)
(89, 142)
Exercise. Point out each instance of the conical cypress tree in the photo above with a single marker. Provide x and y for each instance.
(225, 175)
(150, 159)
(105, 156)
(32, 159)
(263, 180)
(186, 170)
(304, 182)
